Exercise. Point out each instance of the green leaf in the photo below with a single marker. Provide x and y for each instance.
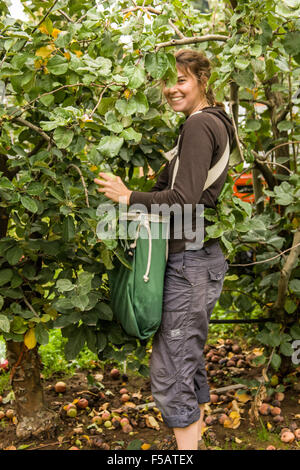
(68, 229)
(260, 360)
(5, 183)
(5, 276)
(290, 306)
(57, 193)
(64, 285)
(1, 302)
(267, 338)
(141, 101)
(14, 254)
(4, 324)
(285, 125)
(294, 285)
(286, 349)
(47, 100)
(241, 63)
(84, 282)
(58, 65)
(295, 331)
(41, 334)
(106, 104)
(104, 310)
(244, 78)
(35, 189)
(252, 125)
(131, 134)
(157, 64)
(63, 137)
(275, 361)
(101, 342)
(256, 49)
(136, 75)
(80, 301)
(75, 343)
(135, 445)
(110, 146)
(29, 204)
(126, 108)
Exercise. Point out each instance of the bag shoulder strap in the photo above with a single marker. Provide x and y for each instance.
(213, 173)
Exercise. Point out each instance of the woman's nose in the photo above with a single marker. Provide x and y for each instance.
(171, 90)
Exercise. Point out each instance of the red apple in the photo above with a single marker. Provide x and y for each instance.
(4, 364)
(105, 415)
(60, 387)
(125, 397)
(287, 436)
(124, 421)
(115, 373)
(127, 428)
(97, 419)
(275, 411)
(10, 414)
(82, 403)
(264, 409)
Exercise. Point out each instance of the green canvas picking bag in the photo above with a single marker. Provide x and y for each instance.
(137, 293)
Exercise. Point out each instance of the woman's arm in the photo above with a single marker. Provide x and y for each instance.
(195, 160)
(162, 180)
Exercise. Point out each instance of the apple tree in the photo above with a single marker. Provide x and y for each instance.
(80, 92)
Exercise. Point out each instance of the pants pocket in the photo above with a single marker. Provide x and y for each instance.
(216, 280)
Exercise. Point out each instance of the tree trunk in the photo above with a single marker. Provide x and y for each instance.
(258, 191)
(33, 416)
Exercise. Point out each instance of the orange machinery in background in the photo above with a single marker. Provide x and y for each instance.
(243, 187)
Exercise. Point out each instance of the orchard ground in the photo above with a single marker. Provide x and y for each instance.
(229, 423)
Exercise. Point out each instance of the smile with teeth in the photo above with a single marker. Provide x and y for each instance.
(177, 98)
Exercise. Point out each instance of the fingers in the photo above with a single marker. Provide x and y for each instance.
(98, 181)
(106, 176)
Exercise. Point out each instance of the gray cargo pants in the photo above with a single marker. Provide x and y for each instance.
(193, 284)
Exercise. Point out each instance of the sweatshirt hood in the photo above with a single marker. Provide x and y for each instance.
(221, 114)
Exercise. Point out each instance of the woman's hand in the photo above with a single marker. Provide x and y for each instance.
(113, 188)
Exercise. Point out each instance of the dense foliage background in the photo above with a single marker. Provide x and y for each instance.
(79, 86)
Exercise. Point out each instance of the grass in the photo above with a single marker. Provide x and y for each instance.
(4, 382)
(53, 359)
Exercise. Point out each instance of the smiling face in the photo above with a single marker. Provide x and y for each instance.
(188, 95)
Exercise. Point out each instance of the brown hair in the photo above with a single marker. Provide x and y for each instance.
(199, 65)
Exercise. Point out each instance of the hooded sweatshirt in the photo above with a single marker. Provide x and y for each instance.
(203, 139)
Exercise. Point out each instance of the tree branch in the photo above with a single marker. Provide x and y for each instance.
(44, 17)
(100, 97)
(279, 145)
(236, 133)
(191, 40)
(136, 8)
(22, 110)
(296, 244)
(286, 271)
(35, 128)
(66, 16)
(83, 183)
(277, 164)
(266, 172)
(177, 31)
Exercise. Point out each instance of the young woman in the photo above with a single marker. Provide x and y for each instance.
(194, 276)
